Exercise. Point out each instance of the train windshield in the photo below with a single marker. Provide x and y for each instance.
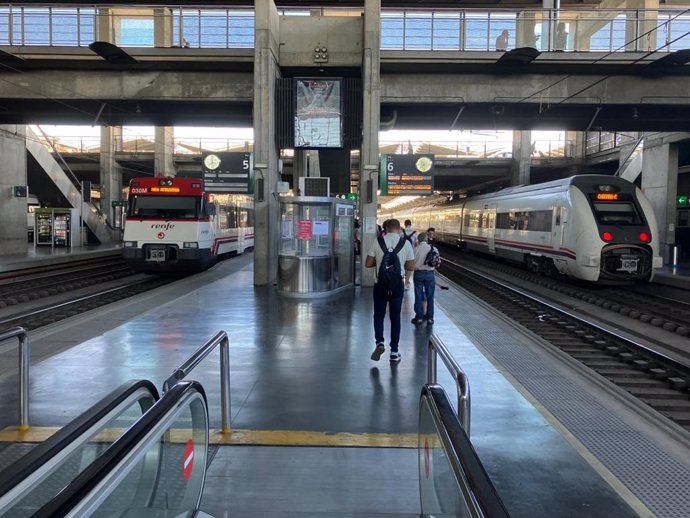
(167, 207)
(617, 214)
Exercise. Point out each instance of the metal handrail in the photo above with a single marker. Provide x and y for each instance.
(24, 359)
(462, 382)
(221, 338)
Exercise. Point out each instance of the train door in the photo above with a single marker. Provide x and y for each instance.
(560, 218)
(491, 228)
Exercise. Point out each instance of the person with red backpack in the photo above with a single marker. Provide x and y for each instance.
(427, 259)
(391, 253)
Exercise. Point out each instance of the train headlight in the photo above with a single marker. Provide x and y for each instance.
(190, 244)
(645, 237)
(130, 244)
(607, 236)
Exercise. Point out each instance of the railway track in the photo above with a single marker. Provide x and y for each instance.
(654, 378)
(35, 318)
(668, 314)
(68, 290)
(28, 287)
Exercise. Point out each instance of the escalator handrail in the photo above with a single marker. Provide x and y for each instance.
(462, 456)
(78, 428)
(97, 471)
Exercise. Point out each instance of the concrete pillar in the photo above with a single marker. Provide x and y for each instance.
(163, 27)
(525, 25)
(163, 160)
(13, 211)
(576, 145)
(522, 150)
(639, 23)
(299, 168)
(371, 121)
(111, 174)
(314, 164)
(104, 25)
(660, 185)
(266, 174)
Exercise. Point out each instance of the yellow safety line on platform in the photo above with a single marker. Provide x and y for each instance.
(243, 437)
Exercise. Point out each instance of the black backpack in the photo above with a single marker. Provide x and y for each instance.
(390, 271)
(409, 238)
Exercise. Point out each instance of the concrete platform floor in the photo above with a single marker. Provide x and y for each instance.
(304, 367)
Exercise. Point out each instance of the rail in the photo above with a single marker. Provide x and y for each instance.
(24, 359)
(221, 338)
(462, 382)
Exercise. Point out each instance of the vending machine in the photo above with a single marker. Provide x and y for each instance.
(57, 227)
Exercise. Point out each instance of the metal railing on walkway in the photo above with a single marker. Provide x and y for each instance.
(24, 360)
(582, 30)
(221, 338)
(438, 348)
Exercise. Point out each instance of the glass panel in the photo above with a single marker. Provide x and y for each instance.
(167, 207)
(446, 31)
(170, 476)
(616, 213)
(305, 230)
(74, 464)
(418, 31)
(136, 32)
(344, 243)
(241, 30)
(439, 491)
(477, 29)
(392, 30)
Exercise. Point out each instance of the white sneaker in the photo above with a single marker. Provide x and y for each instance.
(395, 357)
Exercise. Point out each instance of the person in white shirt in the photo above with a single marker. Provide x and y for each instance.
(411, 235)
(385, 298)
(424, 283)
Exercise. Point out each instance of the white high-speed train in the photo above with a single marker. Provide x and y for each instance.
(174, 225)
(593, 227)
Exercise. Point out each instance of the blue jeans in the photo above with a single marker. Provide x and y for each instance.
(424, 286)
(381, 302)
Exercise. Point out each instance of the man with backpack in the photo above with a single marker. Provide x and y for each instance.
(427, 259)
(391, 254)
(411, 235)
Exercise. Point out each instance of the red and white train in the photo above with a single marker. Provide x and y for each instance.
(174, 225)
(592, 227)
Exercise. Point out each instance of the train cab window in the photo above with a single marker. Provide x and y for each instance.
(167, 207)
(617, 213)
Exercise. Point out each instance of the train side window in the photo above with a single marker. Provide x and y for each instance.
(232, 217)
(558, 216)
(503, 220)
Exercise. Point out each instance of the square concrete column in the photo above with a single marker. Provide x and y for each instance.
(660, 185)
(13, 211)
(522, 153)
(266, 174)
(163, 160)
(111, 173)
(163, 27)
(371, 122)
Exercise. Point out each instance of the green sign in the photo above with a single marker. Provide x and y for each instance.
(118, 203)
(352, 196)
(683, 200)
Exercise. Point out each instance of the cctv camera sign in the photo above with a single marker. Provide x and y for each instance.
(407, 175)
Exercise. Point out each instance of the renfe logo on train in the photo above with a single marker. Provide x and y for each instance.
(163, 226)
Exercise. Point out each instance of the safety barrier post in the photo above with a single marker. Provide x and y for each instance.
(221, 338)
(462, 382)
(24, 360)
